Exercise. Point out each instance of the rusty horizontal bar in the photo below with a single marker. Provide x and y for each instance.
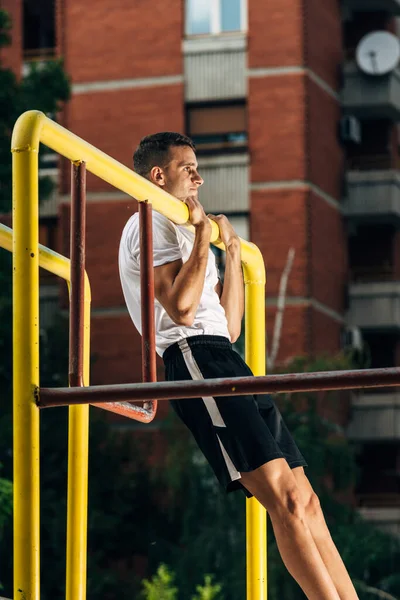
(297, 382)
(144, 414)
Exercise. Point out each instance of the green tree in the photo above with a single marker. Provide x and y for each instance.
(44, 88)
(161, 586)
(208, 591)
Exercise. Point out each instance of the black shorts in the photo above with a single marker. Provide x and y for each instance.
(235, 433)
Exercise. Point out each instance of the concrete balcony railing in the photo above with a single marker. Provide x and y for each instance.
(49, 305)
(375, 306)
(226, 183)
(370, 97)
(375, 417)
(49, 206)
(391, 6)
(373, 196)
(215, 67)
(386, 519)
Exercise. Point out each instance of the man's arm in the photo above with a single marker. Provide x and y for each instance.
(232, 292)
(178, 286)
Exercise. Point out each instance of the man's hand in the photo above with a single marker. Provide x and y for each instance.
(197, 216)
(227, 234)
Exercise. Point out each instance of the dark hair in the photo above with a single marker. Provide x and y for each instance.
(153, 150)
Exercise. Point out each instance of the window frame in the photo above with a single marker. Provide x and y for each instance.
(200, 149)
(215, 22)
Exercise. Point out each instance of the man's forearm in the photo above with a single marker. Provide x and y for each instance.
(189, 283)
(232, 298)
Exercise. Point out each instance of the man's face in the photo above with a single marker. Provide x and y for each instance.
(180, 176)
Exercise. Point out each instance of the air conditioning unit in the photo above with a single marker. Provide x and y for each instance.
(350, 130)
(352, 338)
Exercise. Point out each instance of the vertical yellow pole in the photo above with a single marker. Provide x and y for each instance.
(256, 518)
(26, 373)
(78, 443)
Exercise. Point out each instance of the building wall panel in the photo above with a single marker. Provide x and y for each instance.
(124, 40)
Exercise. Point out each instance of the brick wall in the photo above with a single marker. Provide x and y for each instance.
(329, 269)
(277, 137)
(276, 34)
(293, 124)
(104, 224)
(123, 39)
(11, 56)
(325, 155)
(294, 340)
(115, 121)
(278, 223)
(323, 39)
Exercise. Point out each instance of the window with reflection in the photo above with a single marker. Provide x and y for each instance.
(210, 17)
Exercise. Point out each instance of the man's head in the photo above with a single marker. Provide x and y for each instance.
(169, 160)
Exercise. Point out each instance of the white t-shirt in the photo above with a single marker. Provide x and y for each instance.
(170, 242)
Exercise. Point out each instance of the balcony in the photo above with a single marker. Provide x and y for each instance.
(48, 168)
(49, 306)
(215, 67)
(390, 6)
(369, 97)
(375, 306)
(385, 518)
(375, 417)
(373, 196)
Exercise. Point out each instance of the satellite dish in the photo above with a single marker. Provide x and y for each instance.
(378, 53)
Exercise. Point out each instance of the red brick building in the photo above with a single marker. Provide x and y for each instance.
(297, 144)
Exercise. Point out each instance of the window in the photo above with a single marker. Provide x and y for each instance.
(39, 29)
(218, 127)
(215, 16)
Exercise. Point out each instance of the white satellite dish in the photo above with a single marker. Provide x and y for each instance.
(378, 53)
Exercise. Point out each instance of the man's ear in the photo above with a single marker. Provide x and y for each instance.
(157, 176)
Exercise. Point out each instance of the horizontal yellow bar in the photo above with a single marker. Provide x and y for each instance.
(34, 127)
(48, 259)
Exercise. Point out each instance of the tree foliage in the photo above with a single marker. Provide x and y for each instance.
(162, 586)
(45, 87)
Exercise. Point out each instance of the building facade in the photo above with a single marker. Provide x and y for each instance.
(297, 144)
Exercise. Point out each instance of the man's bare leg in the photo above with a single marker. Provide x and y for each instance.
(322, 538)
(275, 486)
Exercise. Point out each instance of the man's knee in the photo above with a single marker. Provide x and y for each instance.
(313, 509)
(287, 505)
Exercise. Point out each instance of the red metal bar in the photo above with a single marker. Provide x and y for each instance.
(146, 413)
(298, 382)
(131, 411)
(149, 372)
(77, 255)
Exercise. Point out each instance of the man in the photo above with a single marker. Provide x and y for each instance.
(243, 438)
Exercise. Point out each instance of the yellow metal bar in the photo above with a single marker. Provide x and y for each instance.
(77, 503)
(26, 376)
(34, 127)
(256, 517)
(78, 445)
(78, 438)
(48, 259)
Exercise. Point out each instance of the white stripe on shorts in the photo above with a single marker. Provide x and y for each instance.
(210, 404)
